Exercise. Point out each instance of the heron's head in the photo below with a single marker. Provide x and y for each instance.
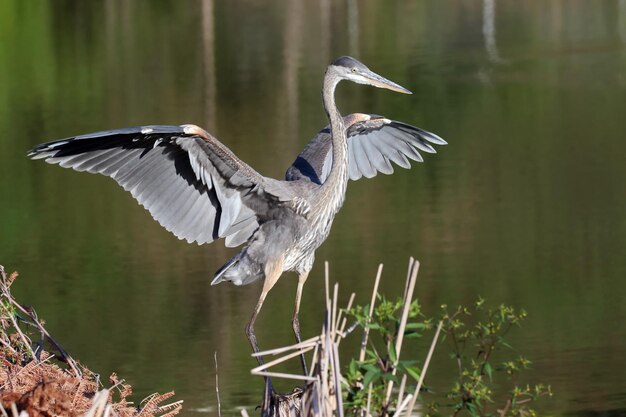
(348, 68)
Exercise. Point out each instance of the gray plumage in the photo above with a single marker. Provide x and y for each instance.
(196, 188)
(372, 141)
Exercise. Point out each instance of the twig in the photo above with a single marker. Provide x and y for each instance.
(8, 346)
(503, 412)
(33, 316)
(22, 336)
(64, 355)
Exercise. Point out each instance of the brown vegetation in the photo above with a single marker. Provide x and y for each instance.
(38, 383)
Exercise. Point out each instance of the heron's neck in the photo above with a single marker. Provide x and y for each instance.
(337, 179)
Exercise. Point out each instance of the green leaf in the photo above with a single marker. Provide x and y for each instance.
(353, 367)
(413, 371)
(416, 326)
(370, 376)
(489, 371)
(370, 368)
(392, 353)
(371, 354)
(388, 376)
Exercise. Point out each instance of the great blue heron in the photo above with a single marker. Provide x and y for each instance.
(196, 188)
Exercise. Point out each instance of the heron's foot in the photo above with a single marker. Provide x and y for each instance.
(280, 401)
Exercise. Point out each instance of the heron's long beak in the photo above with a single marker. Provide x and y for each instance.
(381, 82)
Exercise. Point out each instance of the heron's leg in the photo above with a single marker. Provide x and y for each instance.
(273, 271)
(295, 322)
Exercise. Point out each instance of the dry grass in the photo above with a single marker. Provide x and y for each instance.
(38, 383)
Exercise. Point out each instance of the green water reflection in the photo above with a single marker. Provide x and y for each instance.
(527, 205)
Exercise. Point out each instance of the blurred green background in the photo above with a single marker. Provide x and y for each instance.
(526, 206)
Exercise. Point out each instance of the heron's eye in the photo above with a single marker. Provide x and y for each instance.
(353, 69)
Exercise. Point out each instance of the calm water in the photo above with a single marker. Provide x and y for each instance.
(526, 206)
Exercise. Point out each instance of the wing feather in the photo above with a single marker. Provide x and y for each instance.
(190, 183)
(373, 143)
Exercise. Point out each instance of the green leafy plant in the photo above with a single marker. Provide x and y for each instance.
(472, 350)
(474, 334)
(367, 379)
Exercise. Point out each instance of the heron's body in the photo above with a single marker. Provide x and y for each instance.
(280, 236)
(298, 227)
(196, 188)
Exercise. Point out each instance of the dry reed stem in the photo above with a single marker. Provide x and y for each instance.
(342, 334)
(424, 369)
(99, 403)
(401, 390)
(408, 275)
(316, 351)
(304, 344)
(348, 307)
(408, 296)
(403, 405)
(337, 375)
(326, 283)
(334, 322)
(282, 359)
(217, 387)
(369, 401)
(285, 375)
(366, 331)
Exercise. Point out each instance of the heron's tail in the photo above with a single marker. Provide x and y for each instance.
(239, 269)
(219, 275)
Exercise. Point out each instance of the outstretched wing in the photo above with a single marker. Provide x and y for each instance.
(373, 143)
(193, 185)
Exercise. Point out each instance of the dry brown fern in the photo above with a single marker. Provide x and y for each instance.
(32, 381)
